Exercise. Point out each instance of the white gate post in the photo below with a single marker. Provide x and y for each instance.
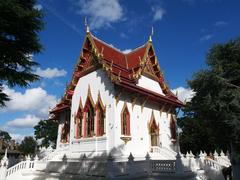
(4, 166)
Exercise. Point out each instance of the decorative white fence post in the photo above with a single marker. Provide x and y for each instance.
(110, 167)
(148, 163)
(130, 167)
(179, 163)
(28, 159)
(222, 154)
(201, 159)
(36, 159)
(64, 159)
(215, 155)
(192, 162)
(4, 166)
(84, 164)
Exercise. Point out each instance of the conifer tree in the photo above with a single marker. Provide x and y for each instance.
(20, 23)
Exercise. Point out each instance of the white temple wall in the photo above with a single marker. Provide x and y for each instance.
(140, 142)
(97, 81)
(150, 84)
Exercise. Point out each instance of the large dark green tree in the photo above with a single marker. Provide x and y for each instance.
(20, 24)
(28, 146)
(46, 131)
(212, 119)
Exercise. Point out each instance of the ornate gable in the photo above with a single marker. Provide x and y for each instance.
(150, 68)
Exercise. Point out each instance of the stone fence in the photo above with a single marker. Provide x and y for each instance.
(113, 167)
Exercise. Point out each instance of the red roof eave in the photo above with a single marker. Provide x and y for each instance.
(152, 94)
(57, 109)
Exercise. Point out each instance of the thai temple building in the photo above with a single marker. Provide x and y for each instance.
(117, 120)
(117, 103)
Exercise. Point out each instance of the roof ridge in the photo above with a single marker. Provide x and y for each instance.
(125, 57)
(137, 48)
(111, 46)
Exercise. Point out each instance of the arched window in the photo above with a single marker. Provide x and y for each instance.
(90, 119)
(78, 120)
(173, 128)
(100, 118)
(125, 121)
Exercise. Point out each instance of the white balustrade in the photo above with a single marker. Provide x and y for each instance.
(20, 166)
(213, 164)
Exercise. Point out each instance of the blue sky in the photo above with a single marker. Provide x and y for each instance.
(184, 30)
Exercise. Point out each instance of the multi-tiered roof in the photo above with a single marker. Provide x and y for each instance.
(124, 70)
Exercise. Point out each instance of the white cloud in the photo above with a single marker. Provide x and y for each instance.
(127, 51)
(206, 37)
(50, 73)
(100, 12)
(184, 94)
(158, 13)
(220, 23)
(28, 121)
(35, 100)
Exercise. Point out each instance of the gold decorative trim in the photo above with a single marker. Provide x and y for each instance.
(117, 97)
(89, 97)
(162, 109)
(123, 108)
(134, 100)
(143, 103)
(126, 139)
(151, 122)
(80, 104)
(100, 102)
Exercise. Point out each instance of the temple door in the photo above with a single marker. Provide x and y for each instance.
(154, 132)
(154, 139)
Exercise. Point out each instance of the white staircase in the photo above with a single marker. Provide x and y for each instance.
(162, 153)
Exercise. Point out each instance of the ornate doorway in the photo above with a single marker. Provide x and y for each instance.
(154, 132)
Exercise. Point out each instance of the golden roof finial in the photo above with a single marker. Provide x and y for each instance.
(150, 37)
(86, 25)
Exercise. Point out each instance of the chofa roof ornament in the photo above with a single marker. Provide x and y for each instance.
(86, 25)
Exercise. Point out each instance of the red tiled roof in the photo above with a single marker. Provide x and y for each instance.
(133, 58)
(122, 64)
(109, 53)
(124, 67)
